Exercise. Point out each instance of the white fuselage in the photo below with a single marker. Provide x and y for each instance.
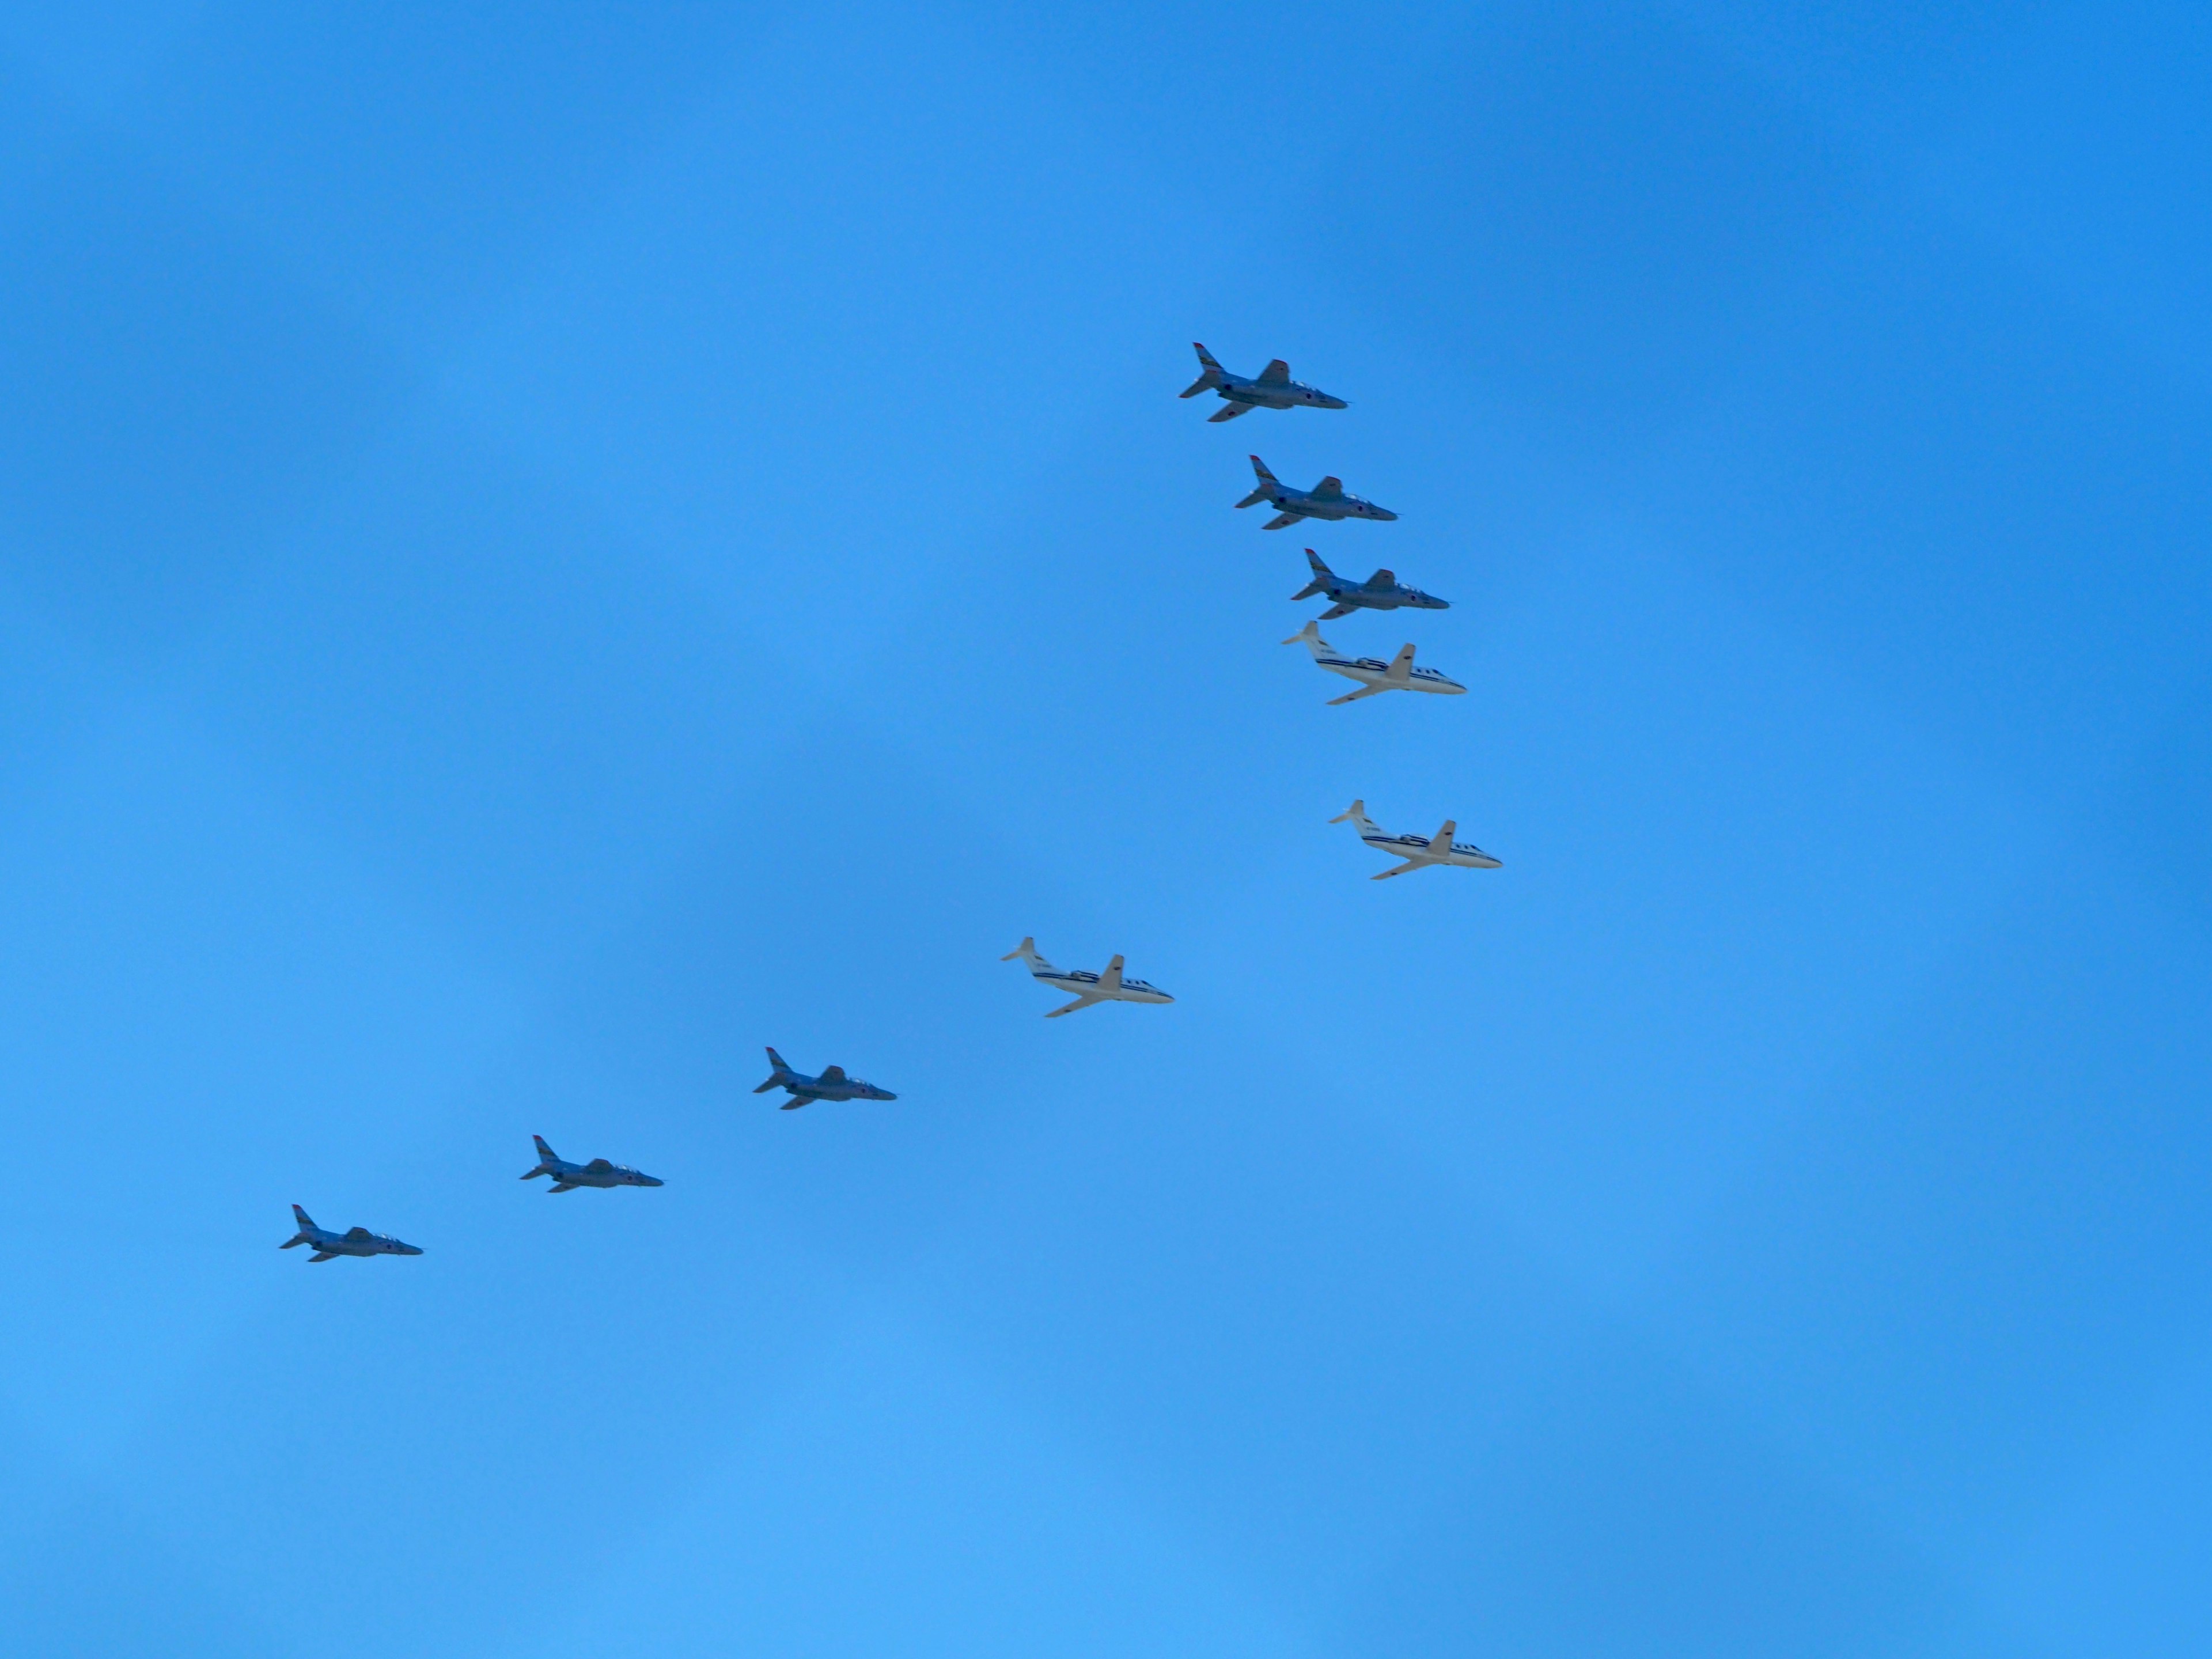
(1420, 850)
(1373, 670)
(1080, 982)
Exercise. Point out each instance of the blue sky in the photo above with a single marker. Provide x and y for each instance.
(544, 548)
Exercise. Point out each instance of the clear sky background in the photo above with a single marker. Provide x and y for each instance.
(544, 547)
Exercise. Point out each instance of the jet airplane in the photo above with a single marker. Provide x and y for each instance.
(1089, 987)
(1272, 388)
(1326, 500)
(598, 1173)
(1380, 592)
(354, 1241)
(1374, 675)
(1419, 852)
(832, 1084)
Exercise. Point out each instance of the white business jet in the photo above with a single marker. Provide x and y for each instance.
(1419, 852)
(1089, 987)
(1375, 676)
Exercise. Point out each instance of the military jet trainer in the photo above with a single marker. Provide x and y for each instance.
(1380, 592)
(1089, 987)
(832, 1084)
(1420, 852)
(1272, 388)
(1326, 500)
(354, 1241)
(599, 1172)
(1375, 676)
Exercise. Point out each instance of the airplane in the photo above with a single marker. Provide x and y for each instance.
(1375, 675)
(1380, 592)
(832, 1084)
(1419, 852)
(1272, 388)
(354, 1241)
(1089, 987)
(1326, 500)
(598, 1173)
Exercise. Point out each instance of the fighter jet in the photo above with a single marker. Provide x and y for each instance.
(1326, 500)
(832, 1084)
(1089, 987)
(354, 1241)
(1380, 592)
(1419, 852)
(1374, 675)
(599, 1172)
(1274, 389)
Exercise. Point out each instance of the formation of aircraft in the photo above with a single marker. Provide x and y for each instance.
(567, 1176)
(832, 1084)
(1090, 989)
(1375, 676)
(1419, 852)
(1380, 592)
(1272, 388)
(354, 1241)
(1326, 500)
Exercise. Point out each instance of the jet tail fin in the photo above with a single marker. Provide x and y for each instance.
(1357, 812)
(305, 1235)
(1322, 575)
(1210, 377)
(1309, 637)
(1268, 483)
(1027, 952)
(777, 1061)
(547, 1157)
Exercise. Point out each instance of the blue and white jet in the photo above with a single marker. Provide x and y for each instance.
(1419, 852)
(567, 1176)
(354, 1241)
(1380, 592)
(1375, 676)
(1090, 989)
(1272, 388)
(1326, 500)
(832, 1084)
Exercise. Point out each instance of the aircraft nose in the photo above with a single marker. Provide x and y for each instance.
(411, 1250)
(1327, 402)
(651, 1181)
(1384, 512)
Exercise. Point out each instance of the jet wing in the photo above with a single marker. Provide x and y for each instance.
(1110, 980)
(1410, 864)
(833, 1074)
(324, 1255)
(597, 1166)
(1228, 412)
(1276, 374)
(1401, 665)
(1328, 490)
(1440, 843)
(1364, 691)
(359, 1233)
(1069, 1008)
(1281, 520)
(1338, 610)
(1383, 580)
